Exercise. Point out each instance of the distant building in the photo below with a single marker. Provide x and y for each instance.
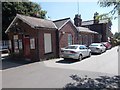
(70, 33)
(103, 27)
(86, 35)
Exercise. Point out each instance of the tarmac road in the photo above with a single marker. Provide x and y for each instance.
(56, 73)
(106, 62)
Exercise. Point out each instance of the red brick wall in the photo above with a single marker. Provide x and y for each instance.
(54, 52)
(63, 38)
(37, 53)
(86, 38)
(101, 29)
(32, 34)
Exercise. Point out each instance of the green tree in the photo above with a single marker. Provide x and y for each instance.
(117, 35)
(109, 3)
(10, 9)
(109, 15)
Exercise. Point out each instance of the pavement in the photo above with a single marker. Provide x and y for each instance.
(57, 73)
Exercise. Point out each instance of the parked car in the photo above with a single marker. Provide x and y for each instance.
(107, 45)
(97, 48)
(75, 52)
(4, 49)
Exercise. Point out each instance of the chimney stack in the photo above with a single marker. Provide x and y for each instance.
(95, 18)
(77, 20)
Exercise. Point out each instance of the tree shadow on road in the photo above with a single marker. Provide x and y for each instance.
(8, 62)
(99, 83)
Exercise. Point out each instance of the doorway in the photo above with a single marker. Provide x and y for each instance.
(27, 47)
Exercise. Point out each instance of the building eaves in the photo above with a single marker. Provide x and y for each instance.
(87, 30)
(91, 22)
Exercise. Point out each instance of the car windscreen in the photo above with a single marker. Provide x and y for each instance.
(71, 47)
(94, 45)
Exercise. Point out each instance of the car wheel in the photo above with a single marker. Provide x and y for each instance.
(65, 58)
(80, 57)
(100, 51)
(105, 50)
(90, 54)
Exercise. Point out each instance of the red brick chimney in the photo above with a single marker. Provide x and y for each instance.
(77, 20)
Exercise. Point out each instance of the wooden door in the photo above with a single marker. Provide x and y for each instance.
(27, 47)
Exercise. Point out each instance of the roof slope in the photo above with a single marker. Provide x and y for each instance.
(34, 22)
(83, 29)
(37, 22)
(61, 22)
(90, 22)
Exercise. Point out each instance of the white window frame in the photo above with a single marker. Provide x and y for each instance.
(32, 43)
(70, 39)
(47, 42)
(20, 44)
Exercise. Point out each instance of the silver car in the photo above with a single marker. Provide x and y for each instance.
(97, 48)
(75, 52)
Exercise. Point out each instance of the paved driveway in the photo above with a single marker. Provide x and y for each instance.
(105, 63)
(57, 73)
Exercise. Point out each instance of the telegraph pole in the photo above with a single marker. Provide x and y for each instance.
(78, 6)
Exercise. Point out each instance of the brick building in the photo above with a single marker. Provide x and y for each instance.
(33, 38)
(70, 33)
(86, 35)
(103, 27)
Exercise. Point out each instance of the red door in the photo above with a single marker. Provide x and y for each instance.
(27, 47)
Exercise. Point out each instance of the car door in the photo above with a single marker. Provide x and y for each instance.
(83, 50)
(102, 47)
(86, 51)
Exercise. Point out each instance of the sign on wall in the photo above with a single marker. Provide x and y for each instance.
(32, 43)
(47, 43)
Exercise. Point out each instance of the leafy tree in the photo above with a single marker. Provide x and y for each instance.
(10, 9)
(117, 35)
(108, 3)
(109, 15)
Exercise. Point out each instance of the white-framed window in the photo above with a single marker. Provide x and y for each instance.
(20, 43)
(80, 39)
(15, 37)
(32, 43)
(47, 42)
(15, 44)
(69, 39)
(10, 44)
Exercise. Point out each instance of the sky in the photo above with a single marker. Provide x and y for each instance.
(61, 10)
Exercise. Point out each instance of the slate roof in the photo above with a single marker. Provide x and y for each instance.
(83, 29)
(90, 22)
(61, 22)
(34, 22)
(37, 22)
